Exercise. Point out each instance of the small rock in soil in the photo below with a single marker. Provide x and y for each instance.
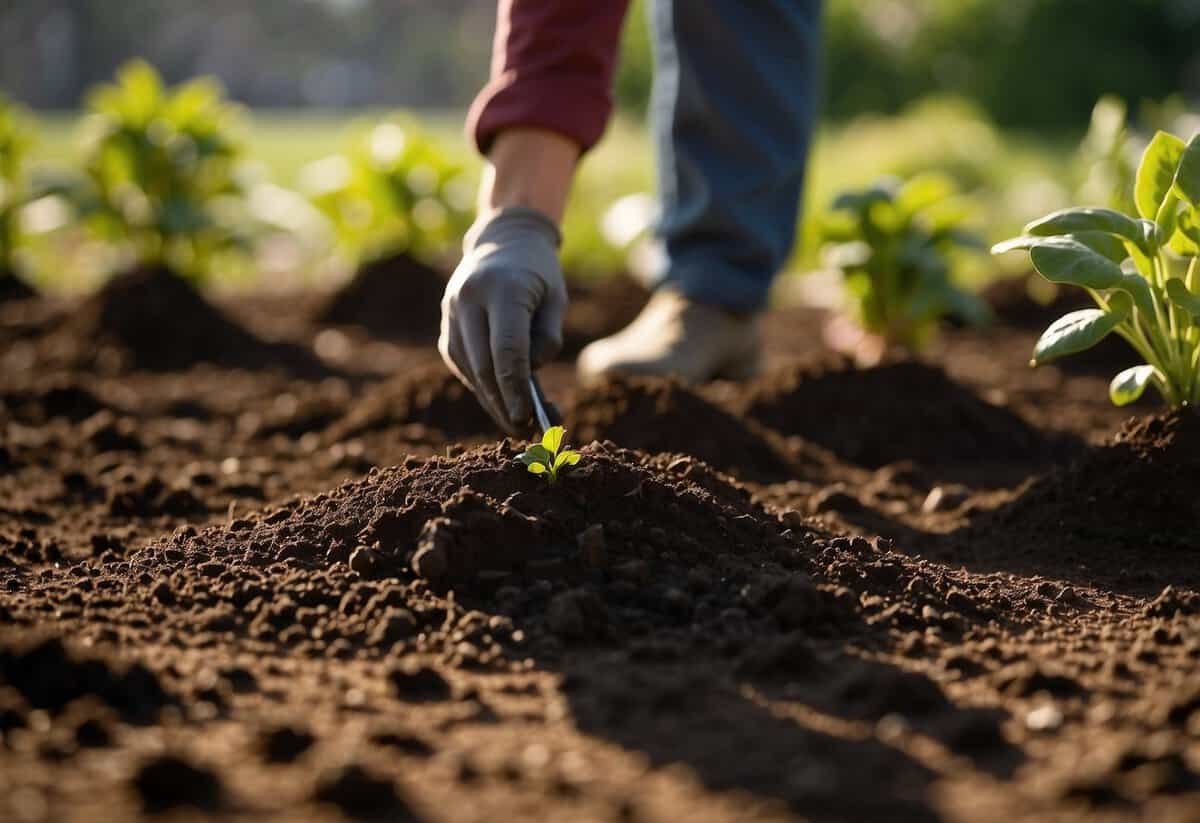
(362, 796)
(285, 744)
(170, 782)
(416, 683)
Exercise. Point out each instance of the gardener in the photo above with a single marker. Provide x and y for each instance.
(733, 105)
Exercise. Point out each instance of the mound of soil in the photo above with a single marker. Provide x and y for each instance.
(625, 541)
(657, 415)
(1127, 509)
(895, 412)
(14, 288)
(430, 397)
(150, 318)
(395, 298)
(600, 308)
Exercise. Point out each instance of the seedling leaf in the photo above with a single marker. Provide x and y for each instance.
(567, 458)
(1074, 332)
(1063, 260)
(1156, 174)
(552, 439)
(537, 468)
(1130, 384)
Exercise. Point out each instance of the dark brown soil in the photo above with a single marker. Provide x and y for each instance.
(394, 297)
(952, 590)
(14, 288)
(1117, 513)
(896, 412)
(150, 318)
(656, 415)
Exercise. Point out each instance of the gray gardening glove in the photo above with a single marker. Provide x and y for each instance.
(503, 309)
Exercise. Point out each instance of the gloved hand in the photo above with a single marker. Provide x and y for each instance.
(503, 310)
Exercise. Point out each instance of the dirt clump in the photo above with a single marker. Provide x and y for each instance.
(896, 412)
(1130, 498)
(394, 298)
(428, 397)
(151, 318)
(663, 415)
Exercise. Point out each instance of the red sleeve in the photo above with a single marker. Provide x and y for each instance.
(552, 68)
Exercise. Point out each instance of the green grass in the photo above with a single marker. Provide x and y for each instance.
(1012, 176)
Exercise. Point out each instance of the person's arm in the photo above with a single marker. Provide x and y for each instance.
(547, 102)
(552, 69)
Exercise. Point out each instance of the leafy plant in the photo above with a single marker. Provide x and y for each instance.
(393, 190)
(1142, 272)
(16, 192)
(161, 170)
(895, 245)
(548, 458)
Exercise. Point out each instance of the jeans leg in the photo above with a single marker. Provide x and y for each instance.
(735, 97)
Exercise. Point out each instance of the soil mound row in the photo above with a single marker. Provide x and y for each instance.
(895, 412)
(1126, 509)
(150, 318)
(657, 415)
(625, 543)
(430, 397)
(394, 298)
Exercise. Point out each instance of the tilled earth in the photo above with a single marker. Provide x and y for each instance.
(254, 565)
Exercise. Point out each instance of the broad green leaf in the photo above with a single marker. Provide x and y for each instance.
(567, 458)
(1063, 260)
(537, 468)
(1156, 174)
(536, 453)
(1024, 242)
(1074, 332)
(1136, 287)
(1187, 176)
(1130, 384)
(1070, 221)
(1178, 292)
(1103, 243)
(924, 190)
(552, 439)
(1108, 245)
(1186, 239)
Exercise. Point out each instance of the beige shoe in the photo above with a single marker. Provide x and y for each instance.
(676, 336)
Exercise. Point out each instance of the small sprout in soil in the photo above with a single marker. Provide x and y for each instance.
(896, 245)
(548, 458)
(1142, 271)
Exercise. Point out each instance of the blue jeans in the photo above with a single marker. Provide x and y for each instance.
(735, 97)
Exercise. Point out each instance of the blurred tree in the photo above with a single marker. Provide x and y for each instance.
(1029, 63)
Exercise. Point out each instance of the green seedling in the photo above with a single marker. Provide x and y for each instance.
(1141, 271)
(393, 190)
(549, 458)
(896, 245)
(161, 167)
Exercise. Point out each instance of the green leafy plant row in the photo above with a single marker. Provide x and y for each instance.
(1140, 269)
(392, 190)
(895, 245)
(160, 168)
